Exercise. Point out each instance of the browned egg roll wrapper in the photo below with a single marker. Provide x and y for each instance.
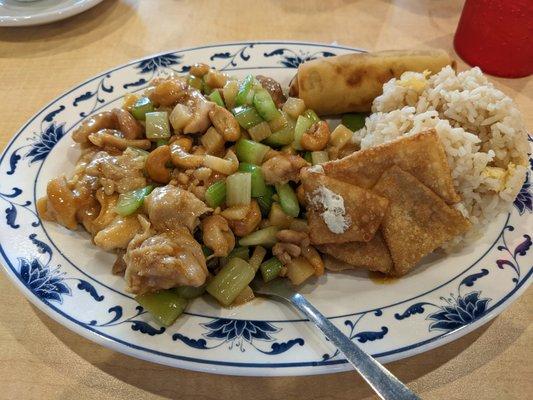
(349, 83)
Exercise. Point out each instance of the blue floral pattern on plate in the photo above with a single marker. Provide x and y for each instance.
(49, 264)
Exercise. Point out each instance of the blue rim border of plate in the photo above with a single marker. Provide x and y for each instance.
(42, 303)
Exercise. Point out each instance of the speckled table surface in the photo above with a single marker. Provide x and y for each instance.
(40, 359)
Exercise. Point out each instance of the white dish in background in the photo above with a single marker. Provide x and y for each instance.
(25, 13)
(70, 279)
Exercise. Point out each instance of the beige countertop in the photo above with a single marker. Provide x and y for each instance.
(39, 359)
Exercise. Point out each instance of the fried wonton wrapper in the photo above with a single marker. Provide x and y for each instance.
(417, 220)
(421, 155)
(347, 83)
(357, 220)
(372, 255)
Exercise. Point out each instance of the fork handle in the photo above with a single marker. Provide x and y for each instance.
(386, 385)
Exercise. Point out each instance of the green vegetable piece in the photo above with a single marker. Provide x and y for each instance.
(189, 292)
(245, 93)
(265, 106)
(216, 98)
(265, 201)
(161, 142)
(270, 269)
(215, 194)
(288, 200)
(250, 152)
(141, 107)
(310, 114)
(129, 202)
(354, 121)
(207, 251)
(263, 237)
(282, 137)
(258, 180)
(164, 306)
(302, 125)
(240, 252)
(157, 126)
(195, 82)
(307, 157)
(247, 116)
(230, 281)
(319, 157)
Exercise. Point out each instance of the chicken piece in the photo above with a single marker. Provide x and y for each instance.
(118, 233)
(422, 155)
(170, 207)
(283, 168)
(124, 171)
(163, 261)
(417, 220)
(339, 212)
(372, 255)
(200, 109)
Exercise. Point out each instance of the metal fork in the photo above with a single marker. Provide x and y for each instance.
(386, 385)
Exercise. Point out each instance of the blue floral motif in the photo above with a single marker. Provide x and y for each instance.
(237, 333)
(11, 211)
(137, 325)
(44, 282)
(458, 312)
(292, 59)
(45, 142)
(520, 250)
(153, 64)
(233, 57)
(98, 99)
(524, 199)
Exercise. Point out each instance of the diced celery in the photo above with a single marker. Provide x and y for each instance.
(216, 98)
(230, 281)
(288, 199)
(129, 202)
(238, 189)
(250, 151)
(230, 90)
(240, 252)
(195, 82)
(165, 306)
(215, 194)
(157, 126)
(307, 157)
(257, 257)
(141, 107)
(139, 152)
(340, 136)
(282, 137)
(263, 237)
(246, 295)
(265, 201)
(260, 131)
(247, 116)
(302, 125)
(258, 180)
(245, 93)
(161, 142)
(310, 114)
(354, 121)
(319, 157)
(189, 292)
(265, 106)
(270, 269)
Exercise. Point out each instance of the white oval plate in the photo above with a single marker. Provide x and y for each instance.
(25, 13)
(70, 279)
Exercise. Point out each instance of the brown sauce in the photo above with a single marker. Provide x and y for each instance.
(381, 278)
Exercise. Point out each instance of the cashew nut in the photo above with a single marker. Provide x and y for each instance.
(217, 235)
(285, 252)
(215, 79)
(311, 255)
(156, 164)
(129, 126)
(199, 69)
(113, 138)
(243, 227)
(184, 142)
(180, 158)
(316, 138)
(103, 120)
(169, 92)
(225, 123)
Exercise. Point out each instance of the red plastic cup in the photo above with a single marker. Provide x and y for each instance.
(497, 36)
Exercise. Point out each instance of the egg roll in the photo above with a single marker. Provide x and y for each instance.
(349, 83)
